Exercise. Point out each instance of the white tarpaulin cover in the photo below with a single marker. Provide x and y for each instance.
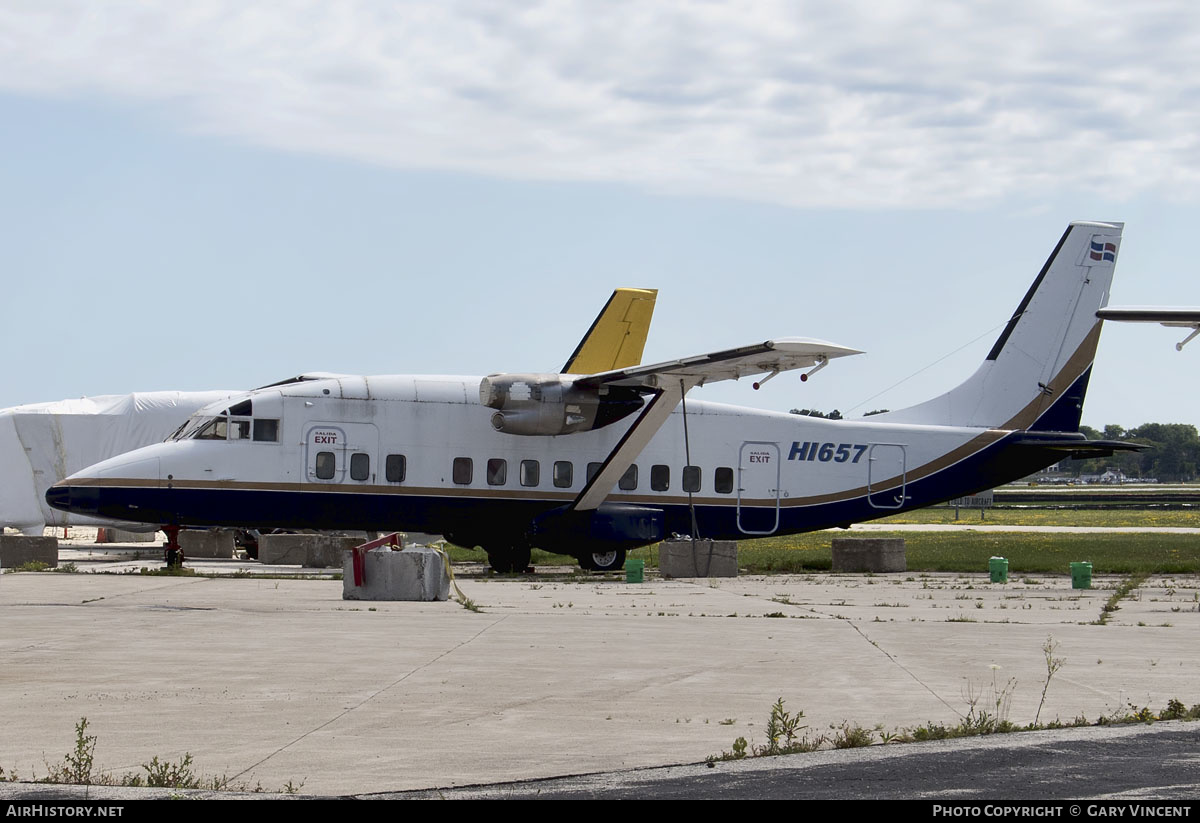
(42, 443)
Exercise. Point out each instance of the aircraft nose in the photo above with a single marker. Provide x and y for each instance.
(77, 499)
(109, 488)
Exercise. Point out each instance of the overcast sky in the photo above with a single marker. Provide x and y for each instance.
(218, 195)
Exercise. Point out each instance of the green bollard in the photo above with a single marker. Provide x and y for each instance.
(634, 570)
(1081, 575)
(998, 568)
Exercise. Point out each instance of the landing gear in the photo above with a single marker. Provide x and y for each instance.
(172, 553)
(248, 540)
(611, 560)
(509, 559)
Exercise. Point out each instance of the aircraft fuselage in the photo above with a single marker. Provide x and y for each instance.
(419, 454)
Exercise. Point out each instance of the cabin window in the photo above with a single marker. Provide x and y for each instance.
(360, 466)
(563, 471)
(326, 463)
(628, 481)
(592, 470)
(530, 471)
(266, 430)
(691, 478)
(462, 471)
(723, 480)
(660, 478)
(394, 467)
(497, 471)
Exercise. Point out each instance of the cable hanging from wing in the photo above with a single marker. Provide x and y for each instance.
(926, 367)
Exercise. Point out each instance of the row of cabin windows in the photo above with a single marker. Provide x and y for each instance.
(562, 473)
(394, 466)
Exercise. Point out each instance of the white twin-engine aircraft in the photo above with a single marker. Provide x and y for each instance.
(591, 465)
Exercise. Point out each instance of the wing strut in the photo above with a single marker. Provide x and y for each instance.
(660, 381)
(630, 446)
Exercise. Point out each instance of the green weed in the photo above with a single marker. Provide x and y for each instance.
(1053, 664)
(1124, 590)
(31, 566)
(78, 767)
(783, 737)
(850, 736)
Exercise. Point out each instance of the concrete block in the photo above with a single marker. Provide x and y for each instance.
(108, 534)
(17, 549)
(313, 551)
(412, 574)
(698, 558)
(214, 543)
(869, 554)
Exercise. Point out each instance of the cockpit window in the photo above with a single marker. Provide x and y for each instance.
(216, 429)
(234, 423)
(188, 430)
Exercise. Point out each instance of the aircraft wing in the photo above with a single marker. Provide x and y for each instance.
(1187, 317)
(770, 357)
(670, 381)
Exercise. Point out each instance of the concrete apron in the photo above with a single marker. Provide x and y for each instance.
(267, 681)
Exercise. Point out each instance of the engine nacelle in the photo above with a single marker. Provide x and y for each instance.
(550, 404)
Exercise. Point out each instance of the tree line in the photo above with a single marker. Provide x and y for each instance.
(1173, 454)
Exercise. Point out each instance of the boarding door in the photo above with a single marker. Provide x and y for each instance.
(758, 488)
(886, 476)
(341, 453)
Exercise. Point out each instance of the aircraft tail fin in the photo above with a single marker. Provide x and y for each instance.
(1036, 374)
(618, 334)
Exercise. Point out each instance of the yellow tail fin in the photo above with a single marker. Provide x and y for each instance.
(617, 336)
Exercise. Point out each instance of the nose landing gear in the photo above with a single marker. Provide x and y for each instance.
(172, 552)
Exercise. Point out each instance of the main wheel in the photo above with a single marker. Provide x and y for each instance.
(500, 559)
(520, 558)
(508, 559)
(603, 561)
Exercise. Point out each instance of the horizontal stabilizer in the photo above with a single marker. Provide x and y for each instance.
(1185, 317)
(1182, 316)
(1074, 445)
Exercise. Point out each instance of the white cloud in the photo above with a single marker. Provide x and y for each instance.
(814, 104)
